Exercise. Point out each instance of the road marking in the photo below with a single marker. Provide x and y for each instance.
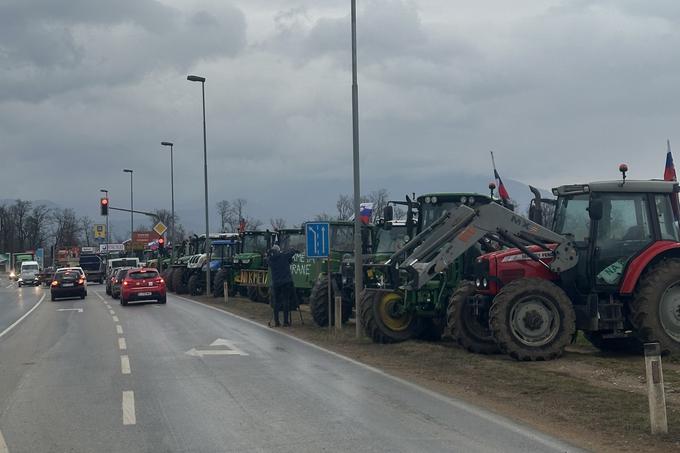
(119, 329)
(79, 310)
(224, 347)
(477, 411)
(129, 417)
(112, 312)
(3, 444)
(125, 364)
(100, 296)
(16, 323)
(122, 345)
(115, 319)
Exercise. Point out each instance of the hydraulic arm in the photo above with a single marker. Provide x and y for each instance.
(461, 228)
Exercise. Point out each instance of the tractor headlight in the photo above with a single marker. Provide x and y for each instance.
(433, 199)
(471, 200)
(246, 261)
(427, 199)
(463, 200)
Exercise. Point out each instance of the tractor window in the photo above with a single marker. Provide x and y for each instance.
(254, 243)
(389, 241)
(667, 223)
(431, 212)
(571, 217)
(292, 241)
(342, 238)
(623, 231)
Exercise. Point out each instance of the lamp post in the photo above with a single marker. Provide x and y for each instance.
(132, 207)
(194, 78)
(358, 262)
(172, 198)
(106, 194)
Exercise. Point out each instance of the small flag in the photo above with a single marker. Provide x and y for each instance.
(242, 225)
(365, 213)
(502, 191)
(669, 171)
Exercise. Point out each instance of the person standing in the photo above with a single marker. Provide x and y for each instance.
(282, 283)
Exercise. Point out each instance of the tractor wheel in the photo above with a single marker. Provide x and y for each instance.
(469, 329)
(318, 304)
(168, 278)
(218, 285)
(629, 345)
(532, 319)
(381, 319)
(178, 285)
(194, 286)
(656, 307)
(253, 294)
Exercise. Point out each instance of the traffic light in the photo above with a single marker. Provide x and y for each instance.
(104, 206)
(161, 244)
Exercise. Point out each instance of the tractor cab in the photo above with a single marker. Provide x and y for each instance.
(251, 265)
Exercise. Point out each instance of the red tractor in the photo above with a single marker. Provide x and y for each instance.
(609, 266)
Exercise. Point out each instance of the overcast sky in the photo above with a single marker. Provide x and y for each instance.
(562, 91)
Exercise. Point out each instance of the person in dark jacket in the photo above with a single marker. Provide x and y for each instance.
(282, 283)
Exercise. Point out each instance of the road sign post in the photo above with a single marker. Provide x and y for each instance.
(318, 246)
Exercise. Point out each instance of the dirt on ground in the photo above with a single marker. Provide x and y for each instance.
(594, 400)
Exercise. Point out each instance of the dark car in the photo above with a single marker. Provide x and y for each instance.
(68, 283)
(117, 280)
(93, 267)
(142, 284)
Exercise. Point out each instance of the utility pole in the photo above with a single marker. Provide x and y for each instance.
(358, 261)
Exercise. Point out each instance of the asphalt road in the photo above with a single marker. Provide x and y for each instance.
(184, 377)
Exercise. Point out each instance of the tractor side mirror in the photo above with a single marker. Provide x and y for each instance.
(388, 213)
(595, 209)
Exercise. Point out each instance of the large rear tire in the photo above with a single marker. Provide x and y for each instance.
(168, 278)
(318, 304)
(381, 317)
(218, 286)
(656, 307)
(532, 319)
(466, 324)
(195, 289)
(179, 286)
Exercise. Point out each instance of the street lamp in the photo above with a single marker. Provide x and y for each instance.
(106, 193)
(358, 270)
(132, 207)
(172, 198)
(194, 78)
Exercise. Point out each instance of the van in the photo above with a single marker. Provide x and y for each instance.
(29, 273)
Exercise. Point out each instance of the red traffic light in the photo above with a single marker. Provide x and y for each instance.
(104, 206)
(161, 241)
(105, 201)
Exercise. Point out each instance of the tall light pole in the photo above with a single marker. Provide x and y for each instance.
(172, 198)
(194, 78)
(132, 208)
(106, 193)
(358, 261)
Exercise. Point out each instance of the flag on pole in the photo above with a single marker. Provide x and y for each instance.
(669, 171)
(366, 213)
(502, 191)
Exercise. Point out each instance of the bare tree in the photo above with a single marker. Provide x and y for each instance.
(345, 207)
(379, 198)
(278, 223)
(252, 223)
(224, 210)
(66, 227)
(86, 228)
(322, 217)
(37, 224)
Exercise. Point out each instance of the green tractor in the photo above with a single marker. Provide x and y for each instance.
(250, 265)
(341, 236)
(390, 314)
(303, 268)
(223, 246)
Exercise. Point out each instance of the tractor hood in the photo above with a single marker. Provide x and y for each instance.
(494, 270)
(247, 258)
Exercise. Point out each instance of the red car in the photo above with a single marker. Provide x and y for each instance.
(142, 284)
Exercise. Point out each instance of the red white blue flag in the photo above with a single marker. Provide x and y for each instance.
(669, 171)
(365, 212)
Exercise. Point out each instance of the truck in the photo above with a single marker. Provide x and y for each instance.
(17, 259)
(95, 270)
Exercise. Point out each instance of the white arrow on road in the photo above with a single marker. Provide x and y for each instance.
(79, 310)
(218, 347)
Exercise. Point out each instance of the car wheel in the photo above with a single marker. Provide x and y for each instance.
(82, 296)
(53, 298)
(123, 302)
(162, 300)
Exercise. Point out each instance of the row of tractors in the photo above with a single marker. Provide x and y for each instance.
(602, 258)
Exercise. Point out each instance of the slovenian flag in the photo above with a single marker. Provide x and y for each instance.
(669, 171)
(502, 191)
(365, 212)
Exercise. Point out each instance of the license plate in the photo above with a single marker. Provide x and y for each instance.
(66, 285)
(144, 294)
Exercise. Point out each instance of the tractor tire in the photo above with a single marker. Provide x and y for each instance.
(259, 294)
(656, 307)
(194, 287)
(218, 284)
(464, 327)
(179, 286)
(377, 322)
(532, 320)
(318, 304)
(627, 345)
(252, 293)
(168, 278)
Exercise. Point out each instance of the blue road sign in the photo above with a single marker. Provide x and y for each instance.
(318, 243)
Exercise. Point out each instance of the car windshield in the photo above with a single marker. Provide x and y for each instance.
(139, 275)
(254, 243)
(121, 273)
(29, 268)
(389, 241)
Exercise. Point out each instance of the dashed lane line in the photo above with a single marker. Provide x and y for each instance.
(119, 329)
(115, 319)
(125, 364)
(112, 312)
(18, 321)
(122, 345)
(100, 296)
(129, 417)
(3, 444)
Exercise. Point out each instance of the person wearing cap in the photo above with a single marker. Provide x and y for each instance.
(282, 283)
